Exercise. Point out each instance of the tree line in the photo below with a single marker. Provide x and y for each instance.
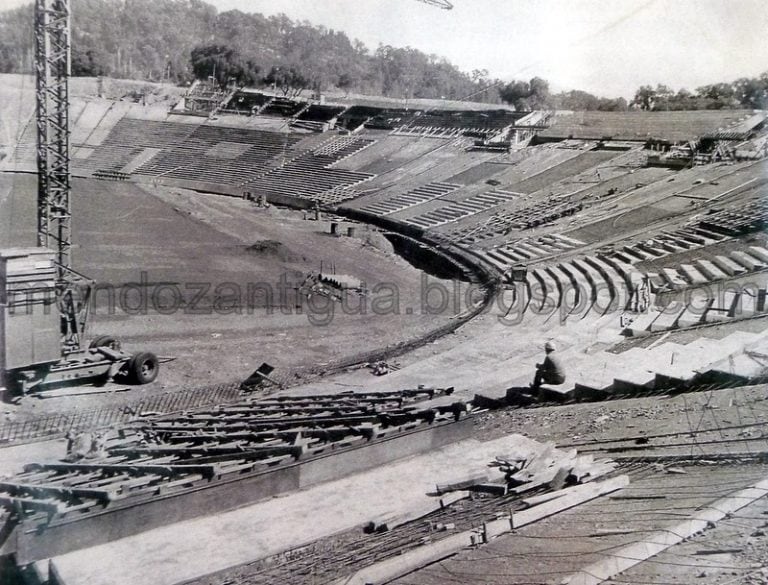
(154, 40)
(180, 40)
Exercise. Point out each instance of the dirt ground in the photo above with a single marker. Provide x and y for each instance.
(189, 275)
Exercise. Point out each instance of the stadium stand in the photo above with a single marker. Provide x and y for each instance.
(636, 125)
(219, 154)
(309, 175)
(413, 197)
(357, 117)
(283, 107)
(479, 124)
(204, 99)
(246, 102)
(527, 250)
(503, 222)
(458, 209)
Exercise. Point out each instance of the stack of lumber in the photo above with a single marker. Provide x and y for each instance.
(532, 466)
(541, 480)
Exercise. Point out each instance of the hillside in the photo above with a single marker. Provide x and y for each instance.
(153, 39)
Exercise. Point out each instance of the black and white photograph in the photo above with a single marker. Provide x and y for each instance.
(367, 292)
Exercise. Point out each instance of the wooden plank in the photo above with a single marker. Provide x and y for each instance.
(207, 470)
(463, 483)
(579, 495)
(58, 491)
(50, 506)
(386, 522)
(624, 558)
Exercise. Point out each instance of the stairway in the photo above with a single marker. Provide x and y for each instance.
(740, 358)
(701, 307)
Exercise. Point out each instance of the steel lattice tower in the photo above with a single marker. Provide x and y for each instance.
(52, 62)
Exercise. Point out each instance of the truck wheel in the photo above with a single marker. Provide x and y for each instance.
(144, 367)
(105, 341)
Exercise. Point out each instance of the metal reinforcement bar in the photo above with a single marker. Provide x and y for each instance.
(60, 424)
(177, 466)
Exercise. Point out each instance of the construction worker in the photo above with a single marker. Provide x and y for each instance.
(551, 371)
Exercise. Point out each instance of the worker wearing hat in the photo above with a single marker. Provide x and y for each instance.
(551, 371)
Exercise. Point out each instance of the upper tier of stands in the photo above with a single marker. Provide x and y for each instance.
(480, 124)
(310, 176)
(374, 117)
(636, 125)
(268, 163)
(217, 154)
(246, 102)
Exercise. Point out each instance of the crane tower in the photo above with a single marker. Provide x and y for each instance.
(52, 61)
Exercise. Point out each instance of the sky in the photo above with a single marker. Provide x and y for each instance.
(606, 47)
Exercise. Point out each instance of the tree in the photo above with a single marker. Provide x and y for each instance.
(87, 63)
(612, 105)
(345, 82)
(645, 97)
(224, 65)
(752, 92)
(526, 96)
(290, 80)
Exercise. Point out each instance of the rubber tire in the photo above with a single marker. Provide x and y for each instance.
(144, 367)
(105, 341)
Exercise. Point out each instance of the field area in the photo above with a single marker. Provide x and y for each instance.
(188, 275)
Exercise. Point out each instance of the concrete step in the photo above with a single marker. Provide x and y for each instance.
(623, 269)
(613, 277)
(750, 365)
(674, 279)
(667, 319)
(604, 291)
(574, 299)
(623, 258)
(636, 254)
(668, 245)
(714, 236)
(739, 369)
(692, 275)
(574, 243)
(650, 249)
(759, 252)
(546, 296)
(747, 261)
(694, 312)
(580, 281)
(509, 255)
(529, 248)
(709, 270)
(722, 307)
(634, 380)
(747, 306)
(657, 282)
(728, 266)
(642, 324)
(684, 362)
(493, 258)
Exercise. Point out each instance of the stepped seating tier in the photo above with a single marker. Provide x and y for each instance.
(413, 197)
(635, 125)
(706, 305)
(458, 209)
(218, 154)
(310, 176)
(718, 268)
(530, 249)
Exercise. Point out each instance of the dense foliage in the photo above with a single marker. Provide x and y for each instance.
(178, 40)
(154, 40)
